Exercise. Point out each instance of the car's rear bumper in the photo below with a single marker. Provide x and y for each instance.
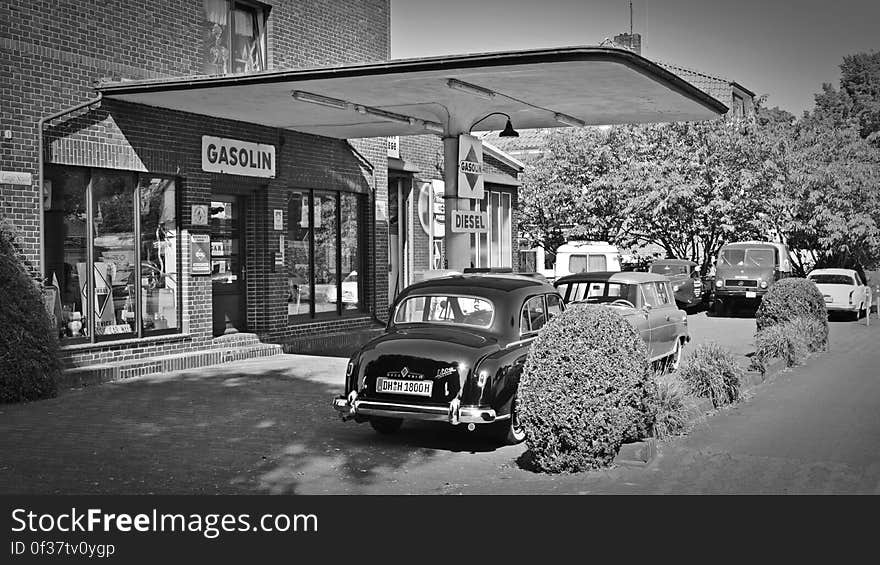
(454, 413)
(832, 307)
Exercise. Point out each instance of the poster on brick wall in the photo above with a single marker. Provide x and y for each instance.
(200, 254)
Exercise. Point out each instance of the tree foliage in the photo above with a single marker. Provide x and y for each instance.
(812, 182)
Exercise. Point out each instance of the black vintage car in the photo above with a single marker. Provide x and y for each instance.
(453, 351)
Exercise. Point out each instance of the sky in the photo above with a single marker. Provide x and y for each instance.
(783, 48)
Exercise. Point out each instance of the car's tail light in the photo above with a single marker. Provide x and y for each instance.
(850, 296)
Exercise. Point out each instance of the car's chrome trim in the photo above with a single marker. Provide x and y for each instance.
(519, 342)
(453, 413)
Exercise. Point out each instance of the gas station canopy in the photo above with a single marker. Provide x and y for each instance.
(447, 95)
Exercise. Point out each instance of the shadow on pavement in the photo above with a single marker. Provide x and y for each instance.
(216, 430)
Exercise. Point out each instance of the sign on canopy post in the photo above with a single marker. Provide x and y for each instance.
(463, 175)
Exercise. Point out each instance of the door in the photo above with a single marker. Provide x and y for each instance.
(228, 264)
(662, 316)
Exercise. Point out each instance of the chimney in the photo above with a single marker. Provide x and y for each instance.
(631, 41)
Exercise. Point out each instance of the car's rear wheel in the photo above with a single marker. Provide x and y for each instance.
(386, 425)
(510, 432)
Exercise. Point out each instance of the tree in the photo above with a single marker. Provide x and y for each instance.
(857, 101)
(563, 196)
(829, 203)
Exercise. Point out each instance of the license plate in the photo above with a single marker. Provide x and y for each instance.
(750, 294)
(400, 386)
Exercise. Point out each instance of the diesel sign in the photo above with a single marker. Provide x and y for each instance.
(467, 221)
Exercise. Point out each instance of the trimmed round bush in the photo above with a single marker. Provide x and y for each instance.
(586, 389)
(29, 365)
(788, 299)
(713, 372)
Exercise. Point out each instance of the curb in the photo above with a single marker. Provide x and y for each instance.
(642, 453)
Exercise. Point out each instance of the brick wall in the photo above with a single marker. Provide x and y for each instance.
(53, 51)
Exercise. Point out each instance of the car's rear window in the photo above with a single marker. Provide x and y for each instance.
(598, 291)
(832, 279)
(443, 309)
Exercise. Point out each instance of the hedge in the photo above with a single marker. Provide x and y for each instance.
(29, 364)
(788, 299)
(586, 389)
(713, 372)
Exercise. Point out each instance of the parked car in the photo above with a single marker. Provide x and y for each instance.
(844, 290)
(645, 300)
(453, 351)
(685, 278)
(744, 272)
(586, 257)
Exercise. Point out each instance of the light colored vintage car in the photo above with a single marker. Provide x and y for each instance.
(844, 290)
(645, 300)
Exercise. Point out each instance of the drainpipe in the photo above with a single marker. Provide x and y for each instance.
(40, 125)
(367, 164)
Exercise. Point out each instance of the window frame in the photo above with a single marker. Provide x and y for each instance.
(363, 256)
(90, 256)
(429, 295)
(261, 11)
(522, 311)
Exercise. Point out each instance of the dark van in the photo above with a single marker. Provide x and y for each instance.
(745, 270)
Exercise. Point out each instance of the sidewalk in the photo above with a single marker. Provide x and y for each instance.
(211, 430)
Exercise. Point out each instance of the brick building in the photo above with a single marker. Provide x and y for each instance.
(171, 239)
(127, 201)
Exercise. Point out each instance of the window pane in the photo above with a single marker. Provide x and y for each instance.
(495, 227)
(246, 53)
(299, 275)
(463, 310)
(483, 238)
(159, 246)
(554, 306)
(598, 263)
(506, 232)
(225, 244)
(352, 283)
(66, 249)
(650, 294)
(533, 316)
(326, 275)
(215, 37)
(114, 253)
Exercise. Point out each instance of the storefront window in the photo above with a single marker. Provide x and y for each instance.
(350, 222)
(113, 262)
(159, 244)
(325, 254)
(326, 272)
(493, 248)
(113, 255)
(66, 221)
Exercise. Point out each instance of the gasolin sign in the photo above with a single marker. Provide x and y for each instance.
(234, 157)
(469, 221)
(470, 167)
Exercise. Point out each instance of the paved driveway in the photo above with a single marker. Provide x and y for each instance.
(267, 427)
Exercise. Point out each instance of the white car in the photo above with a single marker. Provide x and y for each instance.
(844, 290)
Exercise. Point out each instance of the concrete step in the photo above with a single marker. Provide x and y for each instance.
(339, 344)
(106, 372)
